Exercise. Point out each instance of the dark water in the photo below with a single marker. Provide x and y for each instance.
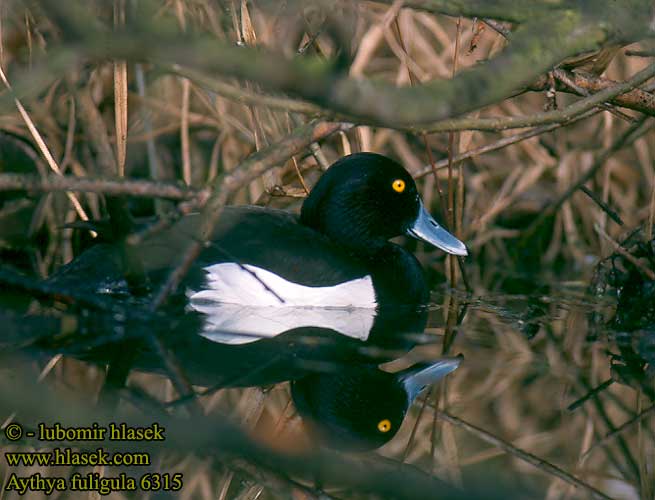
(545, 368)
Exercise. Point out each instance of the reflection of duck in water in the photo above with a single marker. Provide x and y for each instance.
(362, 407)
(345, 400)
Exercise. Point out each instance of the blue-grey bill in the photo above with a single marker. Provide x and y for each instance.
(427, 229)
(423, 375)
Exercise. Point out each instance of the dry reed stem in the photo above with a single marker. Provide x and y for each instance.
(120, 95)
(453, 148)
(43, 148)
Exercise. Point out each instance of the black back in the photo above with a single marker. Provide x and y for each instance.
(266, 238)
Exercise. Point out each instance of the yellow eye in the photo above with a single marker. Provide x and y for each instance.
(384, 425)
(398, 185)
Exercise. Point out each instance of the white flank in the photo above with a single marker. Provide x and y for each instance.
(232, 284)
(240, 305)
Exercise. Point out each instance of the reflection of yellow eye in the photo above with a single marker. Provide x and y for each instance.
(384, 425)
(398, 185)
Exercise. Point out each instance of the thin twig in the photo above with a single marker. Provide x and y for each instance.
(503, 143)
(538, 462)
(556, 116)
(610, 435)
(111, 187)
(635, 131)
(604, 206)
(498, 27)
(585, 85)
(43, 148)
(625, 253)
(599, 388)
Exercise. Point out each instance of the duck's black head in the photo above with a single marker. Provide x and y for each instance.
(362, 407)
(365, 199)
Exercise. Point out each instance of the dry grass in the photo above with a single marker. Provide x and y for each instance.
(165, 127)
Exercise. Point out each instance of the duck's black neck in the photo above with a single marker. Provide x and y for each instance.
(357, 239)
(346, 219)
(398, 277)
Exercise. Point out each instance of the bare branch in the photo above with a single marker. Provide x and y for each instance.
(112, 187)
(502, 143)
(555, 116)
(535, 48)
(636, 99)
